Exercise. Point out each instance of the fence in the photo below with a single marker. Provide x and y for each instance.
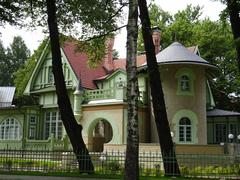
(191, 165)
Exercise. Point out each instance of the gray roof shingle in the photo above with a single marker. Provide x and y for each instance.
(177, 53)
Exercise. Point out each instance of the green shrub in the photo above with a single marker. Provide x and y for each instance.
(114, 166)
(184, 170)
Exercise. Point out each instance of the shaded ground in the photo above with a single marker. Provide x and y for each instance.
(21, 177)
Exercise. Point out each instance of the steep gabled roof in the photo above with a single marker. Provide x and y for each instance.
(79, 64)
(121, 63)
(110, 75)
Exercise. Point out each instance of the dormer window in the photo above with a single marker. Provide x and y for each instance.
(185, 83)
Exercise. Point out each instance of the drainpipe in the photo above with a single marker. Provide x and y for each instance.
(78, 99)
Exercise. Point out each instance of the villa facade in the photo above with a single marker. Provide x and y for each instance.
(98, 98)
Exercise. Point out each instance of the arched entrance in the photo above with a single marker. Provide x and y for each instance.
(101, 133)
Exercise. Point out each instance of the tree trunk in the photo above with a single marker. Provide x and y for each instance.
(72, 128)
(166, 144)
(234, 11)
(131, 162)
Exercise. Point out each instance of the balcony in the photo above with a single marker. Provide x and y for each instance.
(113, 93)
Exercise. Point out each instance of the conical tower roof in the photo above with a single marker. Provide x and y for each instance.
(176, 53)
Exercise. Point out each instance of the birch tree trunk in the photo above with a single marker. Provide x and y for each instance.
(72, 128)
(131, 162)
(166, 144)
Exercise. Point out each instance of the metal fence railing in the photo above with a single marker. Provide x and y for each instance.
(150, 164)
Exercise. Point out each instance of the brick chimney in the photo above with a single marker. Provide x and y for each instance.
(108, 59)
(156, 35)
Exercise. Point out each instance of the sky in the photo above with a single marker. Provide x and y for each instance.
(32, 38)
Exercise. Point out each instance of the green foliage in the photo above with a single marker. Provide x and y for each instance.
(159, 18)
(95, 49)
(114, 166)
(12, 59)
(12, 12)
(3, 59)
(218, 170)
(27, 163)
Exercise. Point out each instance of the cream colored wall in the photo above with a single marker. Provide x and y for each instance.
(91, 116)
(116, 115)
(174, 102)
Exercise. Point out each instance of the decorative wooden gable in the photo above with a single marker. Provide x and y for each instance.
(42, 79)
(115, 80)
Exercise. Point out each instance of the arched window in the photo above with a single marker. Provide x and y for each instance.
(185, 83)
(185, 130)
(10, 129)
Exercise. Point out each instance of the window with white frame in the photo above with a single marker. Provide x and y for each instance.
(53, 124)
(10, 129)
(185, 130)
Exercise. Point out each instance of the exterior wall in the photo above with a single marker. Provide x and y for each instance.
(192, 105)
(116, 115)
(49, 99)
(180, 149)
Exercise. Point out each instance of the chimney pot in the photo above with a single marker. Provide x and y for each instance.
(156, 35)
